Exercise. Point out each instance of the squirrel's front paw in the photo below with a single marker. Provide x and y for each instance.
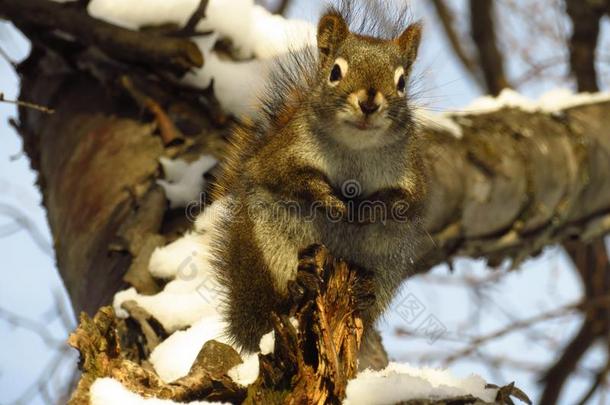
(310, 273)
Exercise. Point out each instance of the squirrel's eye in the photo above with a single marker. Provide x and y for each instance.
(400, 86)
(338, 72)
(335, 74)
(400, 80)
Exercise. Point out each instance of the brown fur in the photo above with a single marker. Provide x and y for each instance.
(297, 158)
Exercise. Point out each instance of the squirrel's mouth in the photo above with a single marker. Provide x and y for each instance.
(362, 125)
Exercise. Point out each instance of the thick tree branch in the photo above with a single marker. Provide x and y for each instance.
(515, 182)
(484, 36)
(139, 48)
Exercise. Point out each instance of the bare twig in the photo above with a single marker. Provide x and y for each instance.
(26, 104)
(598, 381)
(591, 261)
(484, 36)
(27, 224)
(9, 229)
(169, 133)
(40, 384)
(7, 58)
(191, 26)
(39, 329)
(282, 7)
(476, 343)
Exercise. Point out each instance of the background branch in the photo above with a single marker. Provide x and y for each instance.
(585, 17)
(469, 61)
(137, 47)
(484, 35)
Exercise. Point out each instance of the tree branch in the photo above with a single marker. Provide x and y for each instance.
(484, 36)
(140, 48)
(469, 62)
(585, 17)
(591, 261)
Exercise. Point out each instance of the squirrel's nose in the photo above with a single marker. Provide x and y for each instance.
(369, 106)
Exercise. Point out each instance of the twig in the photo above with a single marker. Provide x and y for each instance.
(580, 306)
(597, 383)
(40, 384)
(199, 13)
(282, 7)
(37, 328)
(169, 133)
(591, 262)
(7, 58)
(9, 229)
(29, 226)
(26, 104)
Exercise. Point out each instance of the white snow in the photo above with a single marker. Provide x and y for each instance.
(184, 181)
(105, 391)
(193, 292)
(401, 382)
(247, 372)
(174, 357)
(256, 37)
(437, 121)
(237, 85)
(267, 344)
(551, 102)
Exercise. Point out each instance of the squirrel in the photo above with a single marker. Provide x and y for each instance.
(333, 160)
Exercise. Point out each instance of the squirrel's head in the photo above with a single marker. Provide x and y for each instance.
(363, 94)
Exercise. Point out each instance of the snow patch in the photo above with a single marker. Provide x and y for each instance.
(256, 36)
(184, 181)
(247, 372)
(174, 357)
(192, 292)
(437, 121)
(267, 344)
(551, 102)
(106, 391)
(401, 382)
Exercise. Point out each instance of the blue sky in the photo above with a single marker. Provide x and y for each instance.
(30, 277)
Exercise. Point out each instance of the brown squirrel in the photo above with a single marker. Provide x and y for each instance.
(334, 161)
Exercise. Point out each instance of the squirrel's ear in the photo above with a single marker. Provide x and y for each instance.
(332, 30)
(409, 41)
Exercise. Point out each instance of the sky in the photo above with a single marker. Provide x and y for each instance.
(30, 283)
